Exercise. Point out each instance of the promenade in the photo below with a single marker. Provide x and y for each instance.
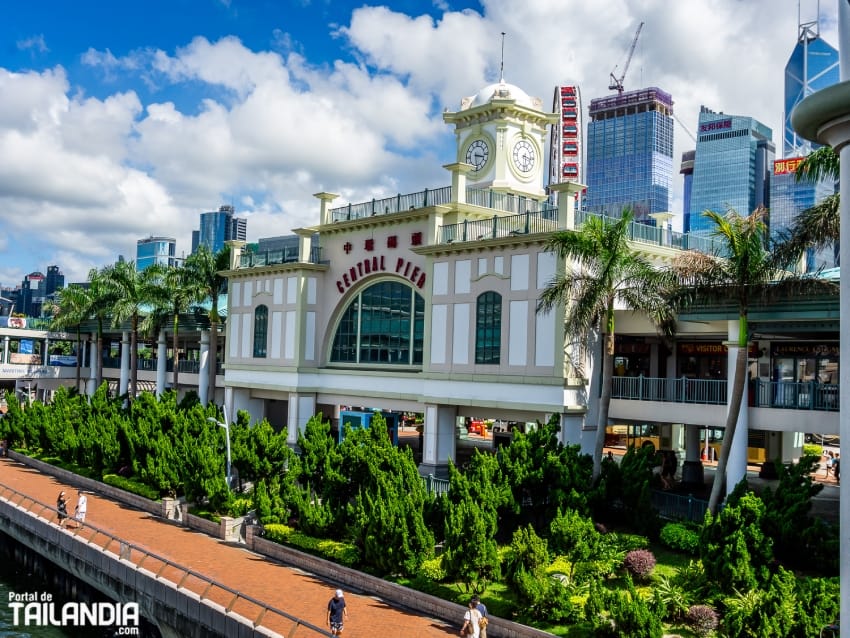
(290, 590)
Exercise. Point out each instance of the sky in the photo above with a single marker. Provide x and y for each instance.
(122, 120)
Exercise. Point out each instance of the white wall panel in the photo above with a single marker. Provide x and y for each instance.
(518, 335)
(499, 265)
(439, 315)
(460, 336)
(233, 338)
(277, 333)
(482, 266)
(311, 290)
(544, 342)
(310, 336)
(441, 278)
(545, 269)
(236, 291)
(291, 283)
(463, 275)
(278, 291)
(246, 293)
(247, 350)
(289, 335)
(519, 272)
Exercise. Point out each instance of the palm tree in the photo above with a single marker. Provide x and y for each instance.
(131, 290)
(754, 269)
(179, 290)
(603, 273)
(204, 269)
(74, 308)
(816, 227)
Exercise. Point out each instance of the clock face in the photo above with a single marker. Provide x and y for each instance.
(524, 156)
(477, 154)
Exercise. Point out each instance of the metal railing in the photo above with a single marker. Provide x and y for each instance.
(181, 577)
(395, 204)
(287, 255)
(804, 395)
(676, 507)
(436, 486)
(505, 226)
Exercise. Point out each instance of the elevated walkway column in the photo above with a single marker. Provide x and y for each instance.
(302, 407)
(124, 378)
(204, 368)
(6, 349)
(736, 469)
(438, 439)
(692, 469)
(161, 363)
(91, 383)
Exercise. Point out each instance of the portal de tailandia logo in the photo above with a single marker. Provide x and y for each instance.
(37, 609)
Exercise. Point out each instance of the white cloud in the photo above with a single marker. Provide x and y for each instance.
(91, 175)
(34, 43)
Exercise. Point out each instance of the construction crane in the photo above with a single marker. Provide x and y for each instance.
(617, 83)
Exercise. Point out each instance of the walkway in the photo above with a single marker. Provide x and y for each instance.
(290, 590)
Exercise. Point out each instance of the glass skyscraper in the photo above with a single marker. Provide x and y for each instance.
(218, 227)
(813, 65)
(155, 250)
(732, 164)
(630, 153)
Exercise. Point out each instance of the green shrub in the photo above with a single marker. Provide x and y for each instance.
(681, 537)
(336, 551)
(812, 449)
(130, 485)
(432, 569)
(629, 616)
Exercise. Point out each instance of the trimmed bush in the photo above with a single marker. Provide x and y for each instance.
(639, 563)
(702, 619)
(342, 553)
(129, 485)
(432, 569)
(811, 449)
(680, 537)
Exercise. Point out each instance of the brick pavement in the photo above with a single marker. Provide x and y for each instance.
(290, 590)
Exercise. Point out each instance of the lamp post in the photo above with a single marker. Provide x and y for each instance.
(226, 427)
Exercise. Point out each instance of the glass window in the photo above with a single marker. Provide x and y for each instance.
(488, 328)
(384, 323)
(261, 331)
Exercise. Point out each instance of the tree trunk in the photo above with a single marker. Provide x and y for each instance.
(79, 360)
(213, 354)
(604, 403)
(134, 358)
(738, 386)
(98, 374)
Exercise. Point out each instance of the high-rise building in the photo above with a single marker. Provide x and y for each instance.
(813, 65)
(630, 153)
(31, 297)
(54, 281)
(687, 171)
(732, 165)
(218, 227)
(155, 250)
(565, 148)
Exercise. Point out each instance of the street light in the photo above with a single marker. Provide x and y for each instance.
(226, 427)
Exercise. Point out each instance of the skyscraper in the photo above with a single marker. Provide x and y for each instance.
(630, 153)
(565, 149)
(218, 227)
(687, 170)
(54, 281)
(155, 250)
(813, 65)
(732, 164)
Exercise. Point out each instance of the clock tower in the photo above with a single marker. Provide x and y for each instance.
(501, 134)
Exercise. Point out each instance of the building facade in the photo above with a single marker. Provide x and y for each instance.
(565, 145)
(732, 166)
(218, 227)
(155, 250)
(630, 153)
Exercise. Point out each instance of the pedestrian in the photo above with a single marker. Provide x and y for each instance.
(836, 468)
(62, 508)
(337, 612)
(482, 623)
(830, 461)
(471, 620)
(80, 509)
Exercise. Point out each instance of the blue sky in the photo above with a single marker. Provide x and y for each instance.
(121, 120)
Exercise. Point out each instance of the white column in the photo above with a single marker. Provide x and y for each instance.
(45, 356)
(736, 469)
(124, 379)
(204, 368)
(6, 349)
(571, 428)
(161, 363)
(438, 439)
(93, 355)
(301, 408)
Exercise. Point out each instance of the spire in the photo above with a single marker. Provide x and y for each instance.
(502, 64)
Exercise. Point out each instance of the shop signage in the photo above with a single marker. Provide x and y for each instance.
(376, 264)
(805, 350)
(711, 349)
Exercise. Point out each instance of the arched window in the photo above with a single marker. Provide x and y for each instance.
(488, 328)
(383, 324)
(261, 331)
